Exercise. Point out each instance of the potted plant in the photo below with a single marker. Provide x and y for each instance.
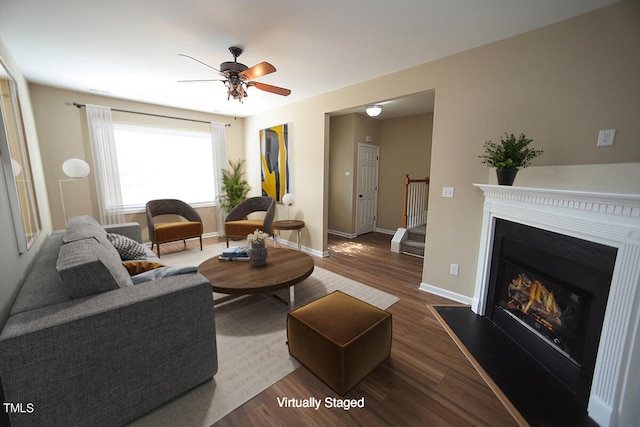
(511, 155)
(258, 250)
(234, 186)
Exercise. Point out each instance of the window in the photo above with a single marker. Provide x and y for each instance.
(157, 163)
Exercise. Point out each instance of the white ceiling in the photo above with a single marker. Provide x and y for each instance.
(129, 49)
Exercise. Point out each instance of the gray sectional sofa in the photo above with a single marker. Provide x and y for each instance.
(84, 346)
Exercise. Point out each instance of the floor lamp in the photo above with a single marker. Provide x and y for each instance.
(74, 169)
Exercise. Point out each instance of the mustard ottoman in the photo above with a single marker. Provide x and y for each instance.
(339, 338)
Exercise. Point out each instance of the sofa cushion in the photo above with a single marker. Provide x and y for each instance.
(159, 273)
(43, 285)
(82, 219)
(128, 248)
(84, 227)
(88, 268)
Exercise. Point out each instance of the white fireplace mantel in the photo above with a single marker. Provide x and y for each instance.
(609, 219)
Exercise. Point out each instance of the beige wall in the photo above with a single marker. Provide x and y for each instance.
(559, 85)
(13, 265)
(405, 148)
(341, 174)
(63, 134)
(621, 178)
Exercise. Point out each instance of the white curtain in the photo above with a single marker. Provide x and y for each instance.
(219, 141)
(105, 163)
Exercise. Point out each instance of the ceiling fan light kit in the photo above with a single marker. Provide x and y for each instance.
(373, 110)
(238, 77)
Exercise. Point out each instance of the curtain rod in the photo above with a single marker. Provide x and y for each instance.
(76, 104)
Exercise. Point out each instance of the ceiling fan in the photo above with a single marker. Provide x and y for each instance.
(238, 77)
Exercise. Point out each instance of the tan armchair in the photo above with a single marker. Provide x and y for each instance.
(236, 224)
(164, 232)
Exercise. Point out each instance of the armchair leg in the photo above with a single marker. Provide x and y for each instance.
(158, 249)
(201, 242)
(227, 240)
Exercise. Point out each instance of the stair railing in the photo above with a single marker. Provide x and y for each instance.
(416, 193)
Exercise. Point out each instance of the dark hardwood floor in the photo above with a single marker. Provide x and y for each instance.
(427, 381)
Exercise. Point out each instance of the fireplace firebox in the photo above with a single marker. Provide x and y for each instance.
(548, 292)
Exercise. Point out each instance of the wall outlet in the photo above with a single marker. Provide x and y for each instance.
(605, 138)
(447, 192)
(454, 269)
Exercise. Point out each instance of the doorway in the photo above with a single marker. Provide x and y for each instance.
(367, 188)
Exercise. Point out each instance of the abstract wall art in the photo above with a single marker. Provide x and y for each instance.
(274, 160)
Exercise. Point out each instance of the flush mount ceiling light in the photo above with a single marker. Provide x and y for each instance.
(373, 110)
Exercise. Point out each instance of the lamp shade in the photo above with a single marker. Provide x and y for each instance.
(75, 168)
(373, 110)
(288, 199)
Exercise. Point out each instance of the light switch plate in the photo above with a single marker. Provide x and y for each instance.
(454, 269)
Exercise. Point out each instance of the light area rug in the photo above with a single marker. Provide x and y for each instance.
(251, 339)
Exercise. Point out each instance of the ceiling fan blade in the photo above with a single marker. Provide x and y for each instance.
(268, 88)
(197, 60)
(205, 80)
(200, 81)
(262, 69)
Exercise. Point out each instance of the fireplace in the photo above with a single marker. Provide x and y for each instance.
(578, 254)
(548, 292)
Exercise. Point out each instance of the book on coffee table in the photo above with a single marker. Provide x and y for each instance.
(240, 253)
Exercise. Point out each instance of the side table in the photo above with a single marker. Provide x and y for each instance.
(288, 224)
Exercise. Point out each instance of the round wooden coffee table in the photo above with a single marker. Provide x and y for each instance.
(284, 268)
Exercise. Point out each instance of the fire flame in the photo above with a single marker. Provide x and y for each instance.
(536, 301)
(551, 306)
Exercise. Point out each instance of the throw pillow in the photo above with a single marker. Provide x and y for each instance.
(137, 267)
(127, 248)
(159, 273)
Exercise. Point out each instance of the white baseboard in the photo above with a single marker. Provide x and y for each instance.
(462, 299)
(600, 412)
(354, 235)
(307, 250)
(343, 234)
(385, 231)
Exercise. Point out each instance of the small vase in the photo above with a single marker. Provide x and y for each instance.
(258, 254)
(506, 176)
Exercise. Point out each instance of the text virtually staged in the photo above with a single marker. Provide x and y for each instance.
(315, 403)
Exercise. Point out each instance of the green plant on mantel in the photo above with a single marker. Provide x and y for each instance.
(234, 186)
(510, 153)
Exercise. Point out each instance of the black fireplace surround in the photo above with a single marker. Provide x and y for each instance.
(548, 292)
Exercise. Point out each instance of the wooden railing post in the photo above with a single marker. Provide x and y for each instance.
(406, 201)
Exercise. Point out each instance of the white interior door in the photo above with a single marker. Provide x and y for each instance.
(367, 196)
